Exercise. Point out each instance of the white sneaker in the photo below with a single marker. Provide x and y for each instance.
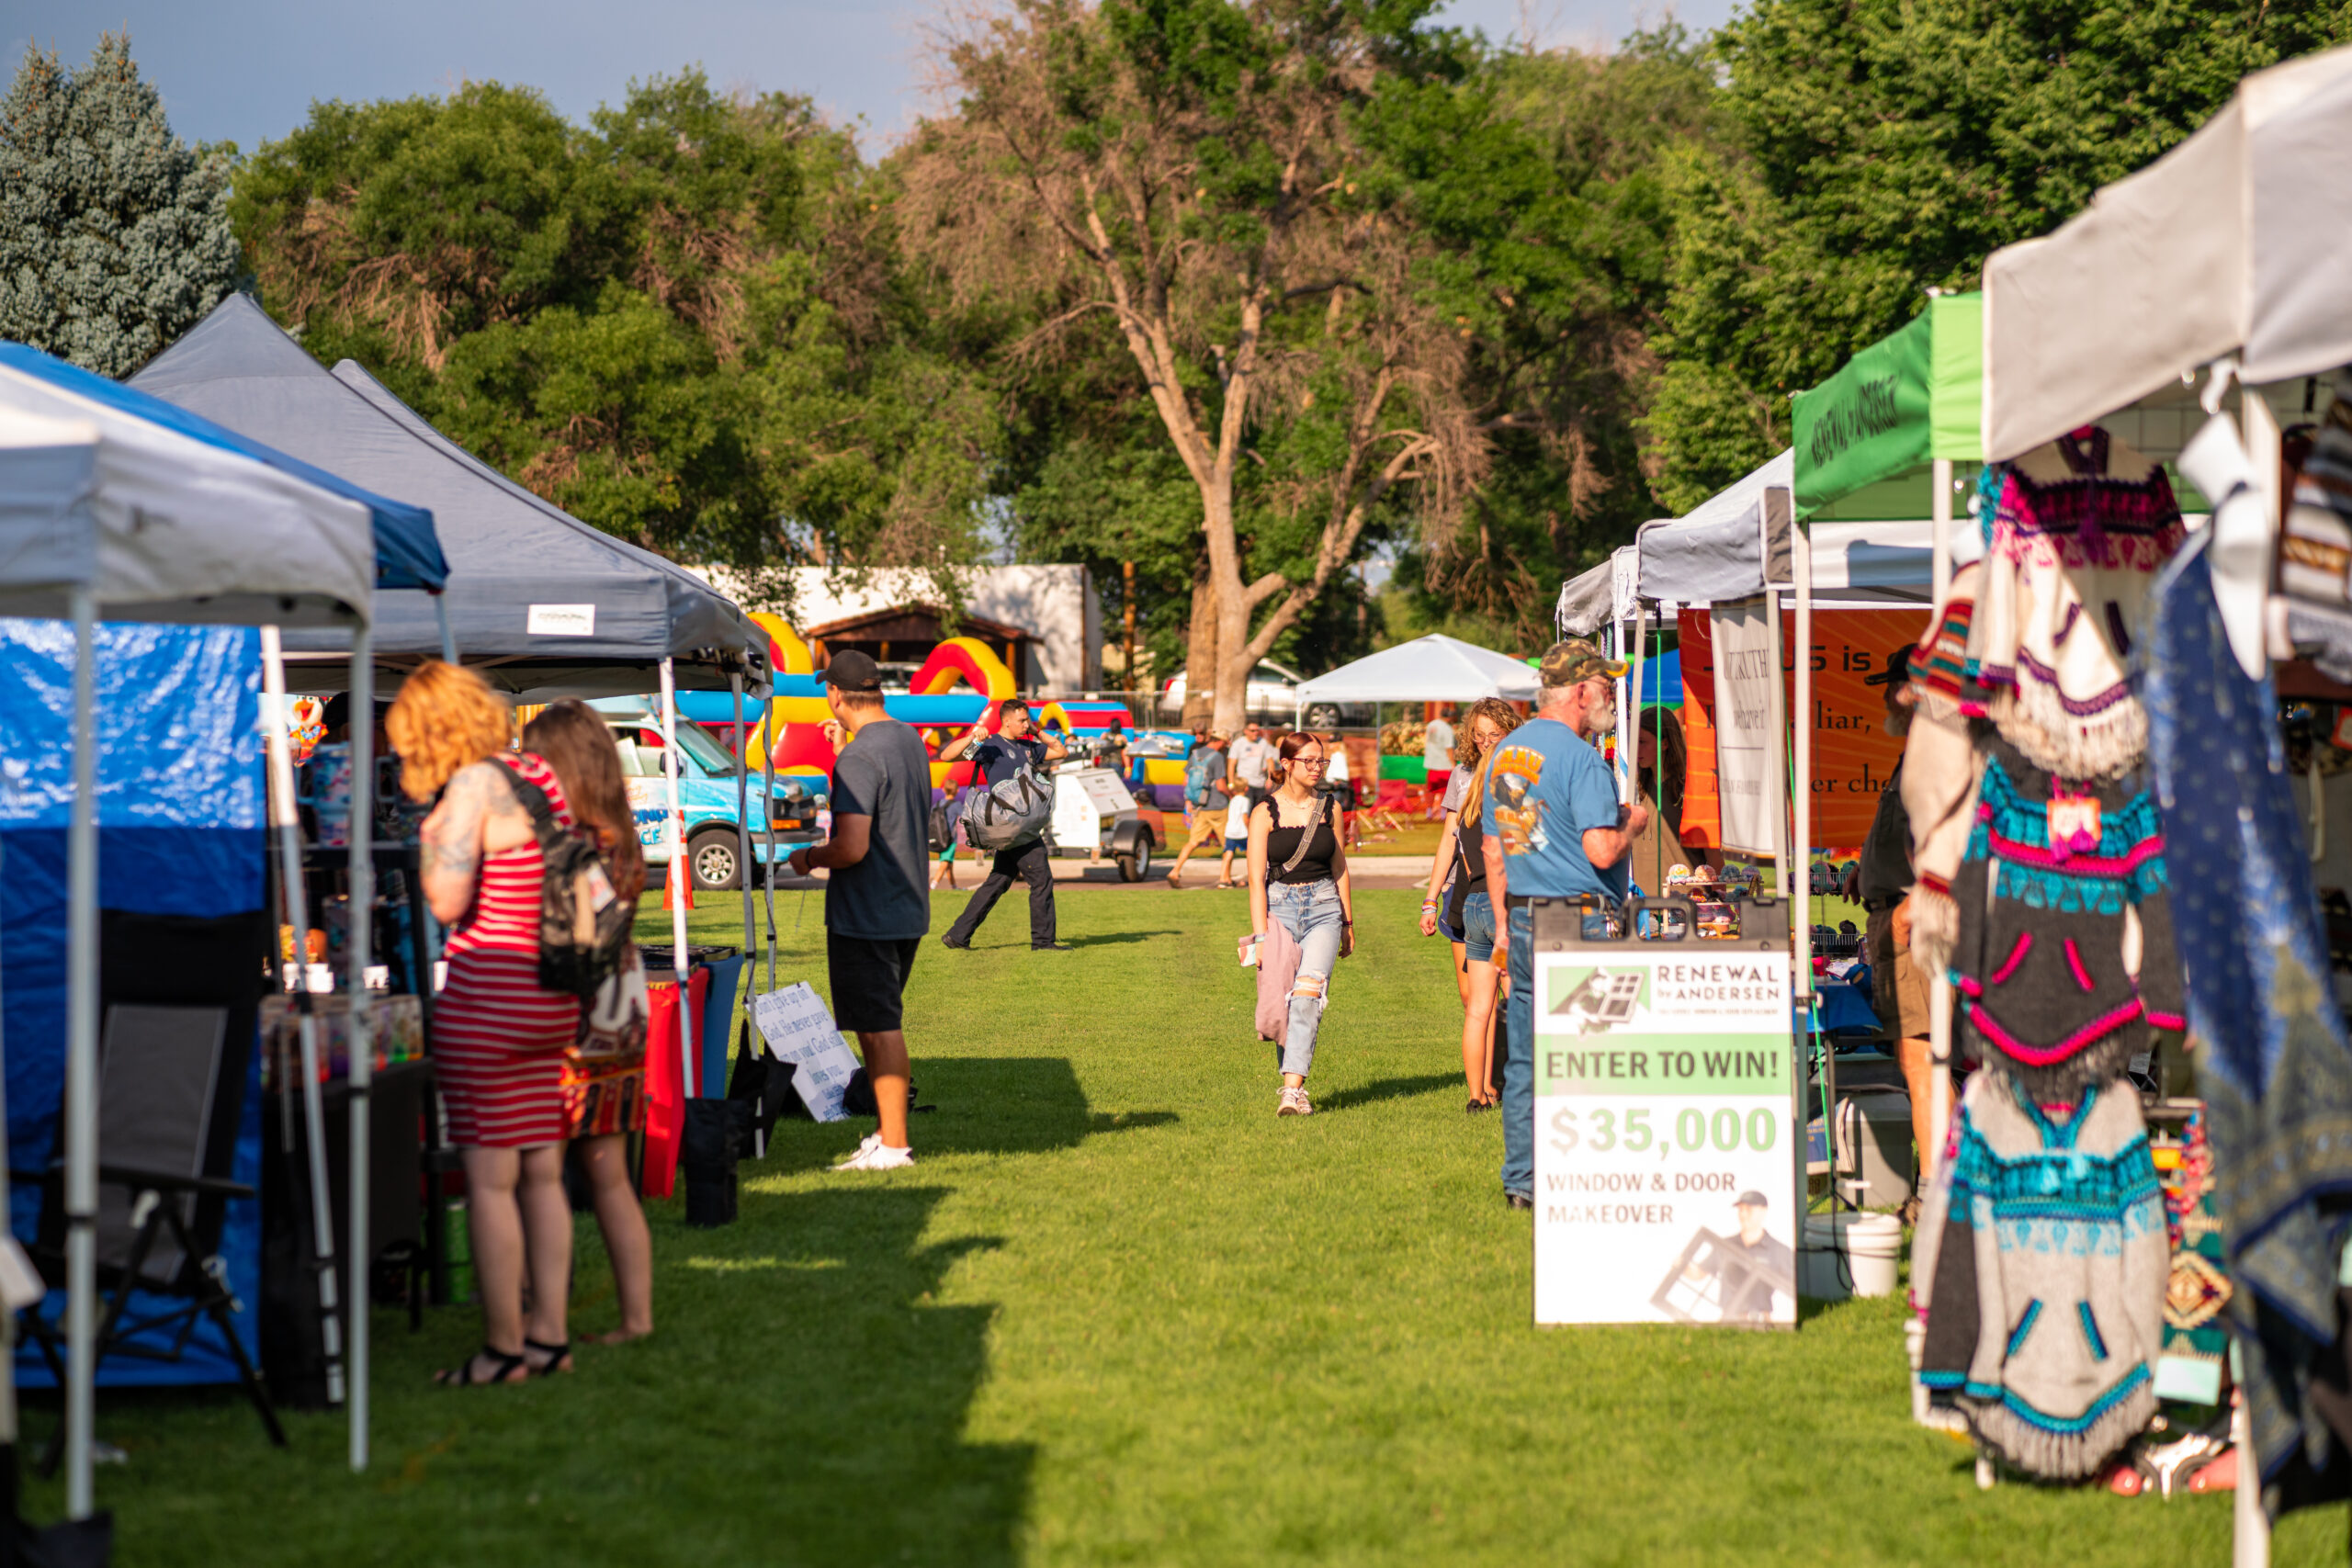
(879, 1157)
(866, 1146)
(1294, 1102)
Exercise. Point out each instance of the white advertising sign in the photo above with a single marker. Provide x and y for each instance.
(1748, 768)
(799, 1028)
(1665, 1180)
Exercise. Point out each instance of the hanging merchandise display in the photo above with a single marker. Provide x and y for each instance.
(2274, 1063)
(2042, 1246)
(1942, 768)
(2196, 1287)
(2065, 957)
(2315, 546)
(2079, 529)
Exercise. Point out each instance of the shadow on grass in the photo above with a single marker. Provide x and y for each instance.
(1116, 938)
(1387, 1089)
(980, 1105)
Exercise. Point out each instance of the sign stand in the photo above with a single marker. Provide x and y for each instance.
(1667, 1080)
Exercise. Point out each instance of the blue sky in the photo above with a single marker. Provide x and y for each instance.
(246, 70)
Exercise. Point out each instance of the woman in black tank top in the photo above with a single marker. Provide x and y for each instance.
(1298, 879)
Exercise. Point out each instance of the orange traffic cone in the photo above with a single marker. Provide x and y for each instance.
(680, 877)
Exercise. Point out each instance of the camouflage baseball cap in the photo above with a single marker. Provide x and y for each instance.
(1576, 660)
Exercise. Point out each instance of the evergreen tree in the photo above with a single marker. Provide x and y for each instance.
(114, 233)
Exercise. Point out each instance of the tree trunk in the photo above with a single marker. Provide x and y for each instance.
(1199, 648)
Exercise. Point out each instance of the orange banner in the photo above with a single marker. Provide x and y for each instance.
(1853, 757)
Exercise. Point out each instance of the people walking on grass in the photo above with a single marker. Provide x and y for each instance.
(1551, 828)
(1437, 748)
(1298, 881)
(996, 760)
(1205, 799)
(1237, 835)
(499, 1040)
(605, 1080)
(877, 902)
(1462, 907)
(1253, 755)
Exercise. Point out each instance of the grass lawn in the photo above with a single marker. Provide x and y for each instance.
(1119, 1314)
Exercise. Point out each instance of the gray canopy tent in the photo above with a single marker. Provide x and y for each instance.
(538, 602)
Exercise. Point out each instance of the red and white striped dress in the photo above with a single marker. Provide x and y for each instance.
(499, 1040)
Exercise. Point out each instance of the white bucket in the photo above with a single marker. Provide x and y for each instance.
(1870, 1245)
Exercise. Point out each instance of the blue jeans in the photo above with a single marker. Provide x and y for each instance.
(1478, 929)
(1517, 1065)
(1310, 912)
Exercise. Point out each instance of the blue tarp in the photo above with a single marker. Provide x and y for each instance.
(180, 826)
(1663, 672)
(408, 555)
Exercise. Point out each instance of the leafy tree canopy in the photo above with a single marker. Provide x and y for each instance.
(114, 234)
(682, 322)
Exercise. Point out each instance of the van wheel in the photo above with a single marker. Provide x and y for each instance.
(716, 865)
(1136, 866)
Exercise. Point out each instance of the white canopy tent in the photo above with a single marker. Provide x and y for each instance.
(2238, 240)
(104, 514)
(1428, 670)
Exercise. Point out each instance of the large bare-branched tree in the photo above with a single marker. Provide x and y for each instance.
(1220, 184)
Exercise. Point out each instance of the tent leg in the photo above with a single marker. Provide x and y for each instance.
(743, 822)
(1940, 562)
(1801, 814)
(448, 638)
(82, 1066)
(298, 913)
(363, 1036)
(679, 875)
(768, 873)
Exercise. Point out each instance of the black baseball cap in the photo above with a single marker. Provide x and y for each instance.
(1751, 1199)
(851, 670)
(1898, 668)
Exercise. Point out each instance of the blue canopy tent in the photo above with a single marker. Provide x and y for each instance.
(113, 504)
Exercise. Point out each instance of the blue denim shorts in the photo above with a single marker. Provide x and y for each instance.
(1478, 929)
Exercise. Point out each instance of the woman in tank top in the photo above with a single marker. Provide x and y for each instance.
(498, 1039)
(1481, 956)
(1298, 875)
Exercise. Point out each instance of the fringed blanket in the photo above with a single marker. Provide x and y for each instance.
(2043, 1253)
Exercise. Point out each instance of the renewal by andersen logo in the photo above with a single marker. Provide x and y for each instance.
(1594, 1001)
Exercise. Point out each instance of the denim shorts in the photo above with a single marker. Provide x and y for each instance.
(1478, 929)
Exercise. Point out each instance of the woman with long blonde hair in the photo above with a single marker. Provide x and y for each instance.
(1476, 973)
(499, 1040)
(604, 1091)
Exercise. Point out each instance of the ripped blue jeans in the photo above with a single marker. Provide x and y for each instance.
(1311, 913)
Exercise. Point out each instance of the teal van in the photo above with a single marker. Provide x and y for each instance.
(706, 773)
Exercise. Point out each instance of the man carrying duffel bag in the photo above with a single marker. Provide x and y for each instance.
(1005, 815)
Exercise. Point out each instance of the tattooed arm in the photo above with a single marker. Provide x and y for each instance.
(478, 811)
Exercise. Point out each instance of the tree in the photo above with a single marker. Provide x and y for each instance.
(684, 322)
(114, 234)
(1239, 191)
(1886, 146)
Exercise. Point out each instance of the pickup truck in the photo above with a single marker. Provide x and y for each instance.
(706, 773)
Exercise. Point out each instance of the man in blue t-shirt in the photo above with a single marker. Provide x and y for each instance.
(995, 759)
(1554, 828)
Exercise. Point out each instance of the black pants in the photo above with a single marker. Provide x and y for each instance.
(1024, 862)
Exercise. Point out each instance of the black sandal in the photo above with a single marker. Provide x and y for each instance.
(463, 1376)
(556, 1356)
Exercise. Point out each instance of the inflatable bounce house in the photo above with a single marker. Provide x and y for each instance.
(962, 679)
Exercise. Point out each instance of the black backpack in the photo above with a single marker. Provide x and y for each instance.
(584, 923)
(941, 828)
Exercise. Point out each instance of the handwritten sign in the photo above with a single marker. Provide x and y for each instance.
(798, 1028)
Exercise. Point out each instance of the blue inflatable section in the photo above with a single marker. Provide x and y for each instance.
(180, 818)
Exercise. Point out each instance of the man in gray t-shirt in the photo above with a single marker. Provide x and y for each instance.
(877, 899)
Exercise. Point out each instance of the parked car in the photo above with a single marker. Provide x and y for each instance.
(1273, 693)
(706, 773)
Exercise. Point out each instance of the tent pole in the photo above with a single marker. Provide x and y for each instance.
(743, 821)
(289, 855)
(1629, 720)
(679, 875)
(82, 1062)
(1940, 985)
(362, 1034)
(448, 638)
(768, 873)
(1801, 812)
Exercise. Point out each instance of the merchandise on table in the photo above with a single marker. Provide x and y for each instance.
(398, 1022)
(2040, 1263)
(2197, 1289)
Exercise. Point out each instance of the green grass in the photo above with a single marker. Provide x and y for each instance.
(1119, 1314)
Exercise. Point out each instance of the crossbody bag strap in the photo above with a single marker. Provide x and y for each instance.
(1305, 837)
(534, 801)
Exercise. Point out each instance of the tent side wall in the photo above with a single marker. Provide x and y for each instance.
(179, 833)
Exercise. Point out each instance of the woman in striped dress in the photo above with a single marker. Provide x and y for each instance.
(499, 1040)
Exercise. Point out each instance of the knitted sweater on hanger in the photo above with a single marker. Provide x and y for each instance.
(2079, 528)
(2043, 1258)
(2064, 958)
